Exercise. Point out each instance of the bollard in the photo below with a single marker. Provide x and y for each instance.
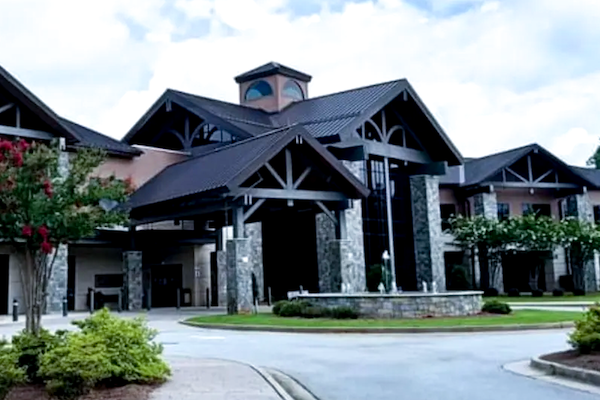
(15, 311)
(207, 298)
(65, 307)
(92, 300)
(178, 298)
(149, 299)
(120, 301)
(269, 298)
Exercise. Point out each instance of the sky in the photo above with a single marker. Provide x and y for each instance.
(495, 74)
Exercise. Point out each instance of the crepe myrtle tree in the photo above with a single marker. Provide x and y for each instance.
(42, 206)
(580, 239)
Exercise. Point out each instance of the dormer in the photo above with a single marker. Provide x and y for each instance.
(272, 87)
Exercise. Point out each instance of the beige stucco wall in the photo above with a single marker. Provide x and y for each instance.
(14, 277)
(276, 102)
(141, 168)
(447, 196)
(516, 197)
(90, 261)
(594, 197)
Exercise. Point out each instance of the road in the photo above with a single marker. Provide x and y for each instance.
(379, 367)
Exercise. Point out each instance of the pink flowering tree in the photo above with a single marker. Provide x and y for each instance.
(43, 205)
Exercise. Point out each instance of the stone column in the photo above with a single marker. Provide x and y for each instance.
(579, 206)
(57, 284)
(132, 279)
(202, 273)
(221, 257)
(239, 276)
(330, 280)
(427, 229)
(253, 232)
(486, 204)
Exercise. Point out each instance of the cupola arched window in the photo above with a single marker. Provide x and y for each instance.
(257, 90)
(292, 90)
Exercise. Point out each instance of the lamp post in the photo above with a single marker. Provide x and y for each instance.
(390, 274)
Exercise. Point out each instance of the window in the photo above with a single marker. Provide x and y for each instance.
(292, 90)
(503, 211)
(597, 215)
(108, 281)
(257, 90)
(537, 209)
(447, 211)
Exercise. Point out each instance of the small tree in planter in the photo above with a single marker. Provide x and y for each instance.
(490, 237)
(580, 239)
(42, 206)
(538, 235)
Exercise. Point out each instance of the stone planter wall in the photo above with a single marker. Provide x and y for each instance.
(405, 305)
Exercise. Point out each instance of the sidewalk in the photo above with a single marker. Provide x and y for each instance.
(214, 380)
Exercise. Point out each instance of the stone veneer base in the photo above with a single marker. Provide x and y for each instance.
(402, 305)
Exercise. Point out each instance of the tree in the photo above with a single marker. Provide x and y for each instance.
(594, 160)
(580, 239)
(43, 205)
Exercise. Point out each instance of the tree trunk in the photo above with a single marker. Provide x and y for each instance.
(34, 282)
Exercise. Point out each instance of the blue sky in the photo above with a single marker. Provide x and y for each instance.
(496, 74)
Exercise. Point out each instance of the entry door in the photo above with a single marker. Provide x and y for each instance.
(166, 279)
(4, 258)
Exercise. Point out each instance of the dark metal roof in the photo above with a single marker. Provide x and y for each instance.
(93, 139)
(272, 68)
(229, 166)
(478, 170)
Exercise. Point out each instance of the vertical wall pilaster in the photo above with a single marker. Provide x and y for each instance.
(330, 280)
(221, 257)
(427, 229)
(253, 232)
(239, 276)
(202, 273)
(486, 204)
(132, 274)
(57, 284)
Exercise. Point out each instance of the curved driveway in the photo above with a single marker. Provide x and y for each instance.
(378, 367)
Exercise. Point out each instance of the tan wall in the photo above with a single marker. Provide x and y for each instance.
(90, 261)
(141, 168)
(516, 197)
(14, 277)
(447, 196)
(594, 197)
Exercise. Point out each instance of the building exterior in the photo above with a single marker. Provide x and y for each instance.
(283, 191)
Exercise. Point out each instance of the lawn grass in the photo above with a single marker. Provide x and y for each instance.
(527, 298)
(519, 317)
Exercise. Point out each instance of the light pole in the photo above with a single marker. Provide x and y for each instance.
(390, 274)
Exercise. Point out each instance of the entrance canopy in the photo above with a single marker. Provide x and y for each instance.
(282, 169)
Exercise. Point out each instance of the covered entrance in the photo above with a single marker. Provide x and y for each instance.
(280, 180)
(4, 282)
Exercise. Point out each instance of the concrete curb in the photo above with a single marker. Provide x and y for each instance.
(579, 374)
(551, 304)
(451, 329)
(294, 388)
(272, 382)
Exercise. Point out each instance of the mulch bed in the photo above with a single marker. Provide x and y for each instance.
(572, 358)
(129, 392)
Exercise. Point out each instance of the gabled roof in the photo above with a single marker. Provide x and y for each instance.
(591, 174)
(272, 68)
(93, 139)
(479, 170)
(75, 134)
(224, 168)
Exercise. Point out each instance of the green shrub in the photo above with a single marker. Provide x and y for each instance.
(10, 372)
(490, 292)
(496, 307)
(374, 277)
(459, 278)
(30, 348)
(293, 308)
(537, 293)
(278, 305)
(108, 350)
(76, 366)
(314, 312)
(343, 313)
(586, 337)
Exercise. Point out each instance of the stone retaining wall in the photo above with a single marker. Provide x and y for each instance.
(405, 305)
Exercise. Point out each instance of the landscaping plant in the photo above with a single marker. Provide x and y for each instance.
(496, 307)
(47, 199)
(10, 372)
(586, 337)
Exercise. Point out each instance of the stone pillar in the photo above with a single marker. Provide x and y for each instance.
(221, 257)
(486, 204)
(201, 273)
(579, 206)
(330, 280)
(57, 284)
(253, 232)
(427, 229)
(58, 279)
(239, 276)
(132, 279)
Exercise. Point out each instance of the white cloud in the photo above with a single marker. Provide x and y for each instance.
(496, 74)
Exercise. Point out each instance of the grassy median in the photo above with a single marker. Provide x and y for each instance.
(527, 298)
(519, 317)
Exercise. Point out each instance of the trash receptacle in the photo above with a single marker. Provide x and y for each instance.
(187, 297)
